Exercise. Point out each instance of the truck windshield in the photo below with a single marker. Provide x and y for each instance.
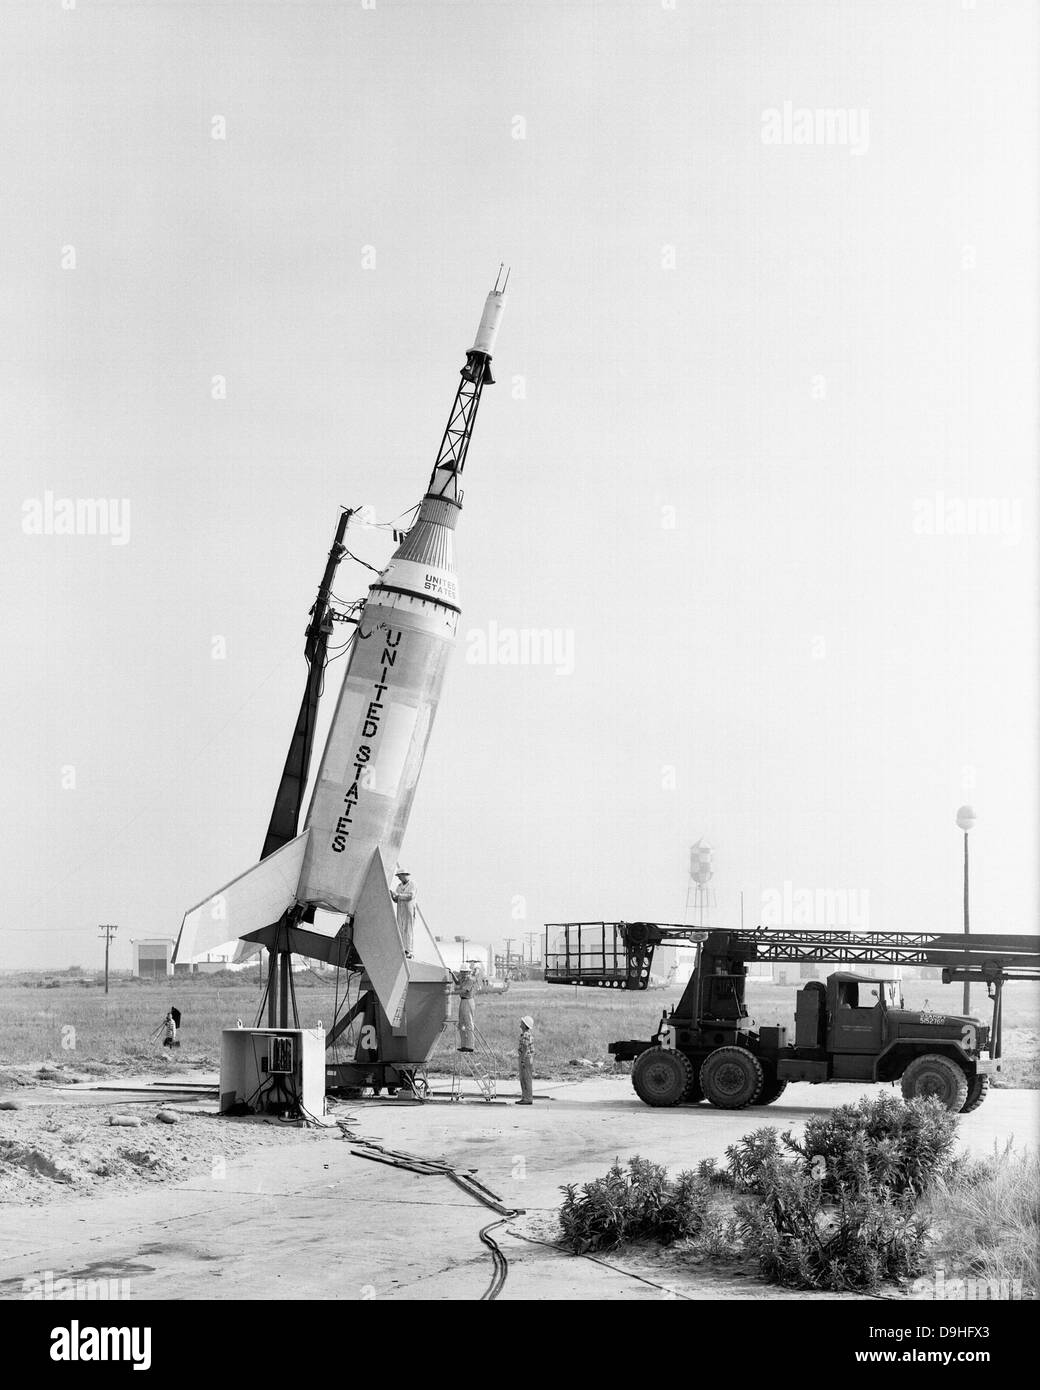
(886, 992)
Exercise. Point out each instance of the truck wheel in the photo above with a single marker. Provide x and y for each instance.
(772, 1089)
(977, 1088)
(934, 1075)
(661, 1076)
(731, 1078)
(694, 1095)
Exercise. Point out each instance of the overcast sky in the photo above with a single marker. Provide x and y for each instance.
(761, 453)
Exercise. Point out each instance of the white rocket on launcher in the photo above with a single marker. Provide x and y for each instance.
(374, 753)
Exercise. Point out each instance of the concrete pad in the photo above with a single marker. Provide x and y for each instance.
(309, 1220)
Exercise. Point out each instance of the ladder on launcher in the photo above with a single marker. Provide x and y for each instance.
(481, 1065)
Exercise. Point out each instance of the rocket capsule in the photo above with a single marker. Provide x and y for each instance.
(489, 321)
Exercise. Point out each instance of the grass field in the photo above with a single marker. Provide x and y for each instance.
(76, 1026)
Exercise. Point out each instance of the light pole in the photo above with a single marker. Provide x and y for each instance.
(965, 820)
(463, 940)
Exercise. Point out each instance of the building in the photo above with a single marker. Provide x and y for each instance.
(458, 955)
(213, 965)
(153, 957)
(795, 972)
(672, 966)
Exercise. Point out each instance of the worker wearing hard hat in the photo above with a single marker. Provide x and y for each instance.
(405, 900)
(467, 1012)
(526, 1056)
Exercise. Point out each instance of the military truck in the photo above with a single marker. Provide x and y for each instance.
(851, 1028)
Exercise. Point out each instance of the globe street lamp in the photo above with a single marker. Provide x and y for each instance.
(965, 820)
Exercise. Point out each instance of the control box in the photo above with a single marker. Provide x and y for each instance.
(281, 1055)
(273, 1071)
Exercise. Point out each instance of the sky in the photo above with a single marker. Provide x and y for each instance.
(760, 456)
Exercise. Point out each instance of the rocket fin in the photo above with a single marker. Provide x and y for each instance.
(255, 899)
(378, 942)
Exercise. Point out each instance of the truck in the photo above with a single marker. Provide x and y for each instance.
(853, 1027)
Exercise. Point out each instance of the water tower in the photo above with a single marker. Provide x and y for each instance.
(700, 896)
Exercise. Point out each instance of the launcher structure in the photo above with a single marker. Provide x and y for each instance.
(324, 891)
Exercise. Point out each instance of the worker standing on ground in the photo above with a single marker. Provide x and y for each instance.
(170, 1023)
(467, 1012)
(526, 1052)
(405, 900)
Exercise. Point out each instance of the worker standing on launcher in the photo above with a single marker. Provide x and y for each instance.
(467, 1011)
(526, 1053)
(405, 900)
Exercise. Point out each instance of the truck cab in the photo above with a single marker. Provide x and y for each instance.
(848, 1017)
(855, 1028)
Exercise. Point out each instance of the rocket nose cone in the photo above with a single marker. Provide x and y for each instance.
(428, 543)
(424, 562)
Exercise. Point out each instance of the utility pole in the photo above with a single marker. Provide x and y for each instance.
(106, 933)
(531, 935)
(509, 944)
(965, 821)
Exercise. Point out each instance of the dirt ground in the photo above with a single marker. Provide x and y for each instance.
(195, 1209)
(48, 1151)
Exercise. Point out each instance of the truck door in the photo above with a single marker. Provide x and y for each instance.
(854, 1029)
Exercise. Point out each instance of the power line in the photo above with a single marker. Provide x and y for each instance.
(66, 930)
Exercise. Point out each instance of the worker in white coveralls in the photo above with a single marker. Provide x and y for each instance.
(405, 900)
(526, 1053)
(467, 1012)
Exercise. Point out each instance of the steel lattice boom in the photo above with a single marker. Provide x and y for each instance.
(619, 953)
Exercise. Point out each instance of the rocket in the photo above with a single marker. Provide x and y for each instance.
(370, 766)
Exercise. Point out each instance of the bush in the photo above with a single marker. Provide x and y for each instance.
(800, 1240)
(841, 1214)
(882, 1144)
(752, 1162)
(836, 1209)
(640, 1204)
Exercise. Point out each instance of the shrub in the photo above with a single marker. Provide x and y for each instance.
(753, 1161)
(638, 1204)
(836, 1209)
(799, 1239)
(840, 1215)
(877, 1145)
